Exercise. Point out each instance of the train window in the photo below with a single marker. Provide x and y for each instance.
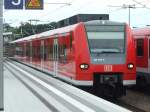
(24, 53)
(31, 49)
(19, 50)
(38, 52)
(71, 37)
(106, 42)
(28, 50)
(149, 48)
(45, 52)
(62, 53)
(41, 52)
(51, 52)
(48, 52)
(140, 47)
(34, 51)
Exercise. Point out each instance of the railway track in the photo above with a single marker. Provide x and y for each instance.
(136, 100)
(129, 106)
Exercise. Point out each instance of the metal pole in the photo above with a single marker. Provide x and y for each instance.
(1, 55)
(129, 10)
(129, 14)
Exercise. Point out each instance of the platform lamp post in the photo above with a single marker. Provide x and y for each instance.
(1, 56)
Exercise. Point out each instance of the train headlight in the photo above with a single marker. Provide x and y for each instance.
(84, 66)
(130, 66)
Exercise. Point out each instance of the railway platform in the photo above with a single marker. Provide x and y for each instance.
(29, 90)
(17, 97)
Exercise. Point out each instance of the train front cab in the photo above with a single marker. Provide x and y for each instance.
(142, 39)
(106, 56)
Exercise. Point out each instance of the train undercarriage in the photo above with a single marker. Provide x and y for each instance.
(108, 85)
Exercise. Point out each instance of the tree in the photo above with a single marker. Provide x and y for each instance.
(26, 29)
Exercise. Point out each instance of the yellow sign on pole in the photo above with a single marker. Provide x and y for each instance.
(34, 4)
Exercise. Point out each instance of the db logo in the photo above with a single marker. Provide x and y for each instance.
(107, 68)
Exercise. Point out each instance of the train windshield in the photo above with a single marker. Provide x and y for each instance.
(106, 41)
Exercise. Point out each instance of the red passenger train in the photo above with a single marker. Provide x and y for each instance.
(98, 53)
(142, 38)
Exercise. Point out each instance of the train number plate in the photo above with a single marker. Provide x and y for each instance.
(107, 68)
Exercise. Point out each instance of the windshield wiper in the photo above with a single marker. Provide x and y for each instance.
(109, 52)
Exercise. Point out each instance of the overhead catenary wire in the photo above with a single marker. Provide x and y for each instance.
(58, 8)
(141, 4)
(71, 2)
(57, 3)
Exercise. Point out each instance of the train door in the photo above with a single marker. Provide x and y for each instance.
(55, 56)
(149, 54)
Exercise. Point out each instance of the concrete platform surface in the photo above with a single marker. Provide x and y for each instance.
(17, 98)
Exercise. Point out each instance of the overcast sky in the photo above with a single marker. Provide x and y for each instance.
(139, 16)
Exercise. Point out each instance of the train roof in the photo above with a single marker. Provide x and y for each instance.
(141, 31)
(66, 29)
(47, 33)
(103, 22)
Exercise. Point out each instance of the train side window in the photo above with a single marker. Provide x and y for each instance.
(149, 48)
(28, 50)
(140, 47)
(63, 54)
(19, 50)
(34, 50)
(71, 37)
(45, 52)
(41, 51)
(51, 52)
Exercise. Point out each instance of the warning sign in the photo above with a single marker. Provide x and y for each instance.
(34, 4)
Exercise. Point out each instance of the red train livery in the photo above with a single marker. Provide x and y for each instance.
(142, 38)
(98, 53)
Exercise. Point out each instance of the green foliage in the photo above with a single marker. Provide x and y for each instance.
(27, 29)
(7, 28)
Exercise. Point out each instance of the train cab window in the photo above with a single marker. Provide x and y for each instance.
(140, 47)
(102, 42)
(106, 39)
